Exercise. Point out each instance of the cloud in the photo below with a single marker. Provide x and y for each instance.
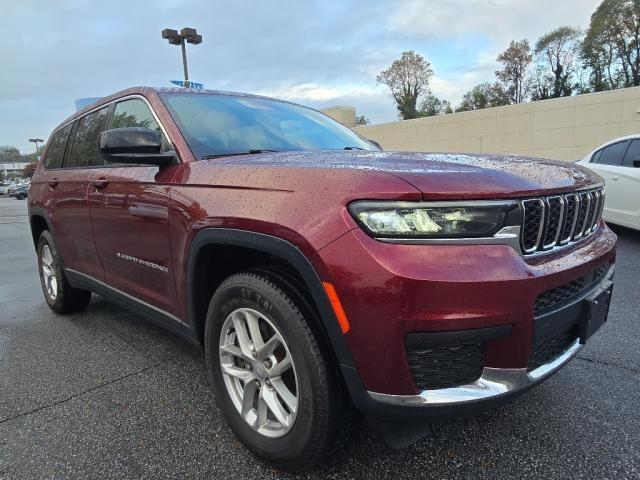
(316, 52)
(500, 20)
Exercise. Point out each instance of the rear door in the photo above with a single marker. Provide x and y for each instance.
(68, 184)
(627, 180)
(129, 207)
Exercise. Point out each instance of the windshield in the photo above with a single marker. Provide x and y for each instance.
(225, 124)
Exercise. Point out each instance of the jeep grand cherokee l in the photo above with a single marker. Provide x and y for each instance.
(317, 271)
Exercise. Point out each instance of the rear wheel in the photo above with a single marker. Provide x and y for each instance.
(60, 296)
(271, 378)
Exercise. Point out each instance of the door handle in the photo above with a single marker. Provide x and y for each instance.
(53, 183)
(615, 179)
(100, 184)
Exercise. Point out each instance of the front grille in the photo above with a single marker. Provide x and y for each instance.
(445, 365)
(563, 295)
(559, 220)
(551, 349)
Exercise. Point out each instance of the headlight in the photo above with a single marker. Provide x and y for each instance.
(431, 220)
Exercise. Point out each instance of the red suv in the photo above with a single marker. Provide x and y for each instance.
(317, 271)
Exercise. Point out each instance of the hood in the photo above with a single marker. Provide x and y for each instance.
(443, 175)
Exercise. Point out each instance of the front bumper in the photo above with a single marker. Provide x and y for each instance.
(495, 383)
(492, 385)
(442, 290)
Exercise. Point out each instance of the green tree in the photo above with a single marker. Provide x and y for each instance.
(612, 44)
(9, 154)
(599, 60)
(558, 51)
(407, 78)
(484, 95)
(515, 61)
(432, 106)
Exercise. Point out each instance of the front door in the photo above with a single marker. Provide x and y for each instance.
(129, 207)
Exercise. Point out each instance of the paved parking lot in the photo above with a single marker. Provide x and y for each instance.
(105, 394)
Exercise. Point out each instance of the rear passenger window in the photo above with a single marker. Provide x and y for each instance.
(55, 150)
(633, 153)
(85, 150)
(612, 155)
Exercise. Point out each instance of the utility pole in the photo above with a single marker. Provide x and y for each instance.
(186, 35)
(36, 140)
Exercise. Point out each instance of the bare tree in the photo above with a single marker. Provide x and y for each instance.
(407, 78)
(29, 170)
(558, 50)
(513, 75)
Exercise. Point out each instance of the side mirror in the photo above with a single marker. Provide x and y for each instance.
(134, 145)
(636, 163)
(376, 144)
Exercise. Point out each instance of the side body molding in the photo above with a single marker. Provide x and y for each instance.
(279, 248)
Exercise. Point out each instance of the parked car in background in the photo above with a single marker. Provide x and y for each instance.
(618, 162)
(318, 272)
(4, 190)
(21, 191)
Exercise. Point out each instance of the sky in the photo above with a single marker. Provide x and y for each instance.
(317, 53)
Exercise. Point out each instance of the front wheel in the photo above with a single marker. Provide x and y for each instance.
(271, 378)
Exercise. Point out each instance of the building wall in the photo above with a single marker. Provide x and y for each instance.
(345, 115)
(564, 128)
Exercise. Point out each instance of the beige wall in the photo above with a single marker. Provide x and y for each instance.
(564, 128)
(345, 115)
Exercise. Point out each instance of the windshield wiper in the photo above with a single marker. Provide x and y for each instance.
(231, 154)
(353, 148)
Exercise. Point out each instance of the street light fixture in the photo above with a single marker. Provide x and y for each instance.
(36, 140)
(186, 35)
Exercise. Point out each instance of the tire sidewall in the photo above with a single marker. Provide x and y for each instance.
(47, 239)
(256, 295)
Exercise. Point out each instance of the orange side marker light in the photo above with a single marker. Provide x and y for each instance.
(337, 307)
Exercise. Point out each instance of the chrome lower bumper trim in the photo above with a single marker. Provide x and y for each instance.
(493, 383)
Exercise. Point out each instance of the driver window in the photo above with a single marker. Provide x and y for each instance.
(136, 113)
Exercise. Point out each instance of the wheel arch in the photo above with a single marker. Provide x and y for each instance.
(267, 245)
(39, 221)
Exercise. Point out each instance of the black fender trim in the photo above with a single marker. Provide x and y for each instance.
(41, 212)
(279, 248)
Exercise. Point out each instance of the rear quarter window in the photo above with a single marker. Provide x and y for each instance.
(633, 153)
(57, 145)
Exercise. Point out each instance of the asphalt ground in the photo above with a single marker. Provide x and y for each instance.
(106, 394)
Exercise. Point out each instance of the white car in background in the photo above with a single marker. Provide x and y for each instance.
(618, 161)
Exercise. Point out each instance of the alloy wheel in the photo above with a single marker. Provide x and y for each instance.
(258, 372)
(49, 272)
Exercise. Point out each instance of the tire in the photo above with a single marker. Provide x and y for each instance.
(60, 296)
(312, 426)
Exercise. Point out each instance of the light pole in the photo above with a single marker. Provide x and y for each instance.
(36, 140)
(186, 35)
